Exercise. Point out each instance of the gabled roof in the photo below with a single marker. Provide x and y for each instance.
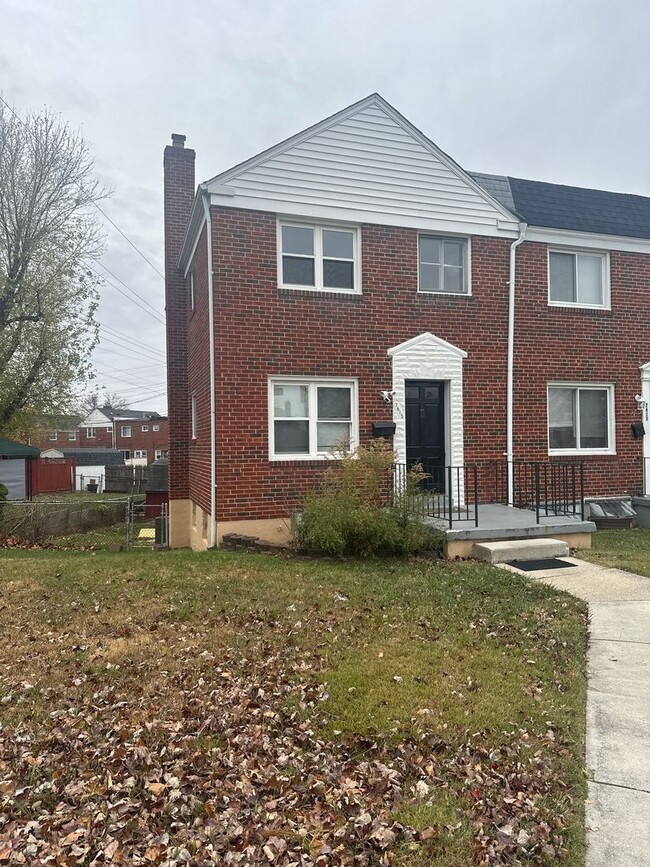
(579, 209)
(365, 163)
(125, 414)
(373, 100)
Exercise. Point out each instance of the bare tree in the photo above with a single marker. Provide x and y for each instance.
(95, 400)
(48, 295)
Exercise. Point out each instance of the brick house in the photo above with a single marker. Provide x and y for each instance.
(355, 275)
(142, 436)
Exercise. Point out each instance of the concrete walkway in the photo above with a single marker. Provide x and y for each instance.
(618, 710)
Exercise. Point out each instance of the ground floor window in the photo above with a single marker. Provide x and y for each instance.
(580, 418)
(140, 453)
(310, 418)
(161, 453)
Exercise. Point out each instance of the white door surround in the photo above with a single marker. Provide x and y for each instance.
(429, 357)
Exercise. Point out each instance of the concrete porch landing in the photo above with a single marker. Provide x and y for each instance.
(500, 523)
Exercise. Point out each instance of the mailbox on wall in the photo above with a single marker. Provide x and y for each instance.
(638, 430)
(383, 429)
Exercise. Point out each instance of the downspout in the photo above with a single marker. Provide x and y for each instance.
(205, 198)
(511, 364)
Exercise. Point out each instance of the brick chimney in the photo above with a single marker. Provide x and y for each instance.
(179, 191)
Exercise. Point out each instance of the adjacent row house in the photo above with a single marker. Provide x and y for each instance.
(141, 436)
(355, 280)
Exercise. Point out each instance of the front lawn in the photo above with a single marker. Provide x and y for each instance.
(622, 549)
(246, 709)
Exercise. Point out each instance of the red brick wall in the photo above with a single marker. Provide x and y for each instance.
(178, 195)
(263, 331)
(148, 440)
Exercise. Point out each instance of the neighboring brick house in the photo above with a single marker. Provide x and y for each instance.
(141, 436)
(355, 274)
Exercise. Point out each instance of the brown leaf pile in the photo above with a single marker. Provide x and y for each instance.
(237, 774)
(16, 542)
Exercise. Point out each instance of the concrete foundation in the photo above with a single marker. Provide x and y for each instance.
(276, 530)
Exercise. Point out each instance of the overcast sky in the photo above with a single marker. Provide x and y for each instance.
(541, 89)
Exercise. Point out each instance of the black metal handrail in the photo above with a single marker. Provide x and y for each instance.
(549, 488)
(447, 493)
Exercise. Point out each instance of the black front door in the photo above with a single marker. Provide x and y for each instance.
(425, 429)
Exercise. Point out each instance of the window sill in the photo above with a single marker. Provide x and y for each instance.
(432, 293)
(579, 453)
(317, 290)
(565, 305)
(319, 459)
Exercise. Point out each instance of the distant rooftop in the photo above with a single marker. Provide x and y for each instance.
(140, 414)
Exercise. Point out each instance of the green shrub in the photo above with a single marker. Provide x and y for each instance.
(356, 511)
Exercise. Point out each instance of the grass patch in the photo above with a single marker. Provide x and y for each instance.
(621, 549)
(421, 693)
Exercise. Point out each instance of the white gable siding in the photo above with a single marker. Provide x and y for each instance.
(364, 167)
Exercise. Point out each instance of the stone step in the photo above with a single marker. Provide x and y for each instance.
(520, 549)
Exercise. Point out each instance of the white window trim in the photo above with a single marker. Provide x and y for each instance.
(140, 453)
(72, 436)
(317, 380)
(89, 435)
(468, 264)
(54, 435)
(155, 427)
(145, 428)
(318, 256)
(606, 269)
(193, 415)
(611, 426)
(123, 428)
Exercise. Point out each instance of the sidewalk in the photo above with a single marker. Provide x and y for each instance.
(618, 710)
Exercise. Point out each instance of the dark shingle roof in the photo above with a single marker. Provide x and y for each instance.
(94, 457)
(560, 207)
(136, 414)
(11, 449)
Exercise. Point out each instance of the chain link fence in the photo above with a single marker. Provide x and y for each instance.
(84, 522)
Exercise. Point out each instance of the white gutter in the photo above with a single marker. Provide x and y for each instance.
(511, 363)
(205, 198)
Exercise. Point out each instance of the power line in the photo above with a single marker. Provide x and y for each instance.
(130, 369)
(125, 348)
(126, 286)
(151, 397)
(101, 211)
(154, 315)
(124, 336)
(137, 249)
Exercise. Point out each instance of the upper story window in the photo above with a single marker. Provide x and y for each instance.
(125, 430)
(310, 418)
(155, 427)
(580, 419)
(324, 258)
(443, 265)
(72, 435)
(53, 436)
(145, 428)
(579, 279)
(91, 433)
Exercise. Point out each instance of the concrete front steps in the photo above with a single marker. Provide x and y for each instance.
(520, 549)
